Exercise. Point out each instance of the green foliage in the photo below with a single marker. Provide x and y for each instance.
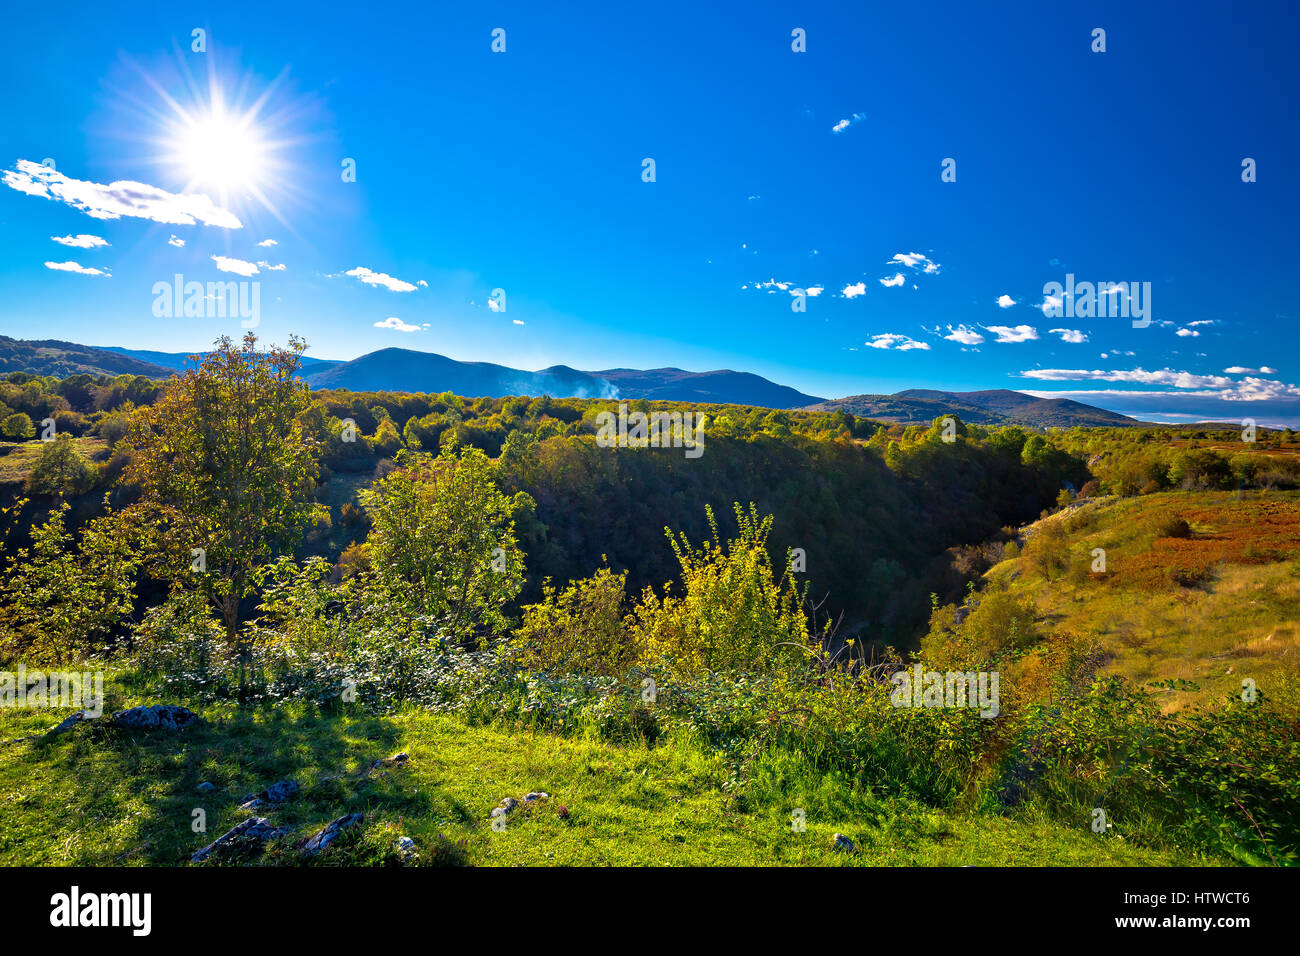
(582, 629)
(442, 540)
(17, 427)
(61, 470)
(224, 451)
(735, 613)
(63, 599)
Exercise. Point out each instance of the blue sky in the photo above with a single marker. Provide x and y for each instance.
(821, 170)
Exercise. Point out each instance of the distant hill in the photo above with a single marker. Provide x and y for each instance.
(1001, 406)
(721, 386)
(52, 357)
(180, 361)
(406, 370)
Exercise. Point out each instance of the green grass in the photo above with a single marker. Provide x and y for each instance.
(99, 796)
(17, 459)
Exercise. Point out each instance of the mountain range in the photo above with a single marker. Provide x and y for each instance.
(997, 406)
(405, 370)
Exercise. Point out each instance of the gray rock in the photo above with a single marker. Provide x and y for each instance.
(322, 839)
(156, 717)
(406, 847)
(254, 830)
(387, 763)
(275, 793)
(207, 787)
(842, 843)
(536, 795)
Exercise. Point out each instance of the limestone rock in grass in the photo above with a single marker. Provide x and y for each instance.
(322, 839)
(406, 847)
(508, 804)
(536, 795)
(156, 717)
(254, 830)
(276, 793)
(396, 760)
(842, 843)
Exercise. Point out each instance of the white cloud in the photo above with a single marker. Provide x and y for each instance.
(393, 322)
(269, 267)
(1184, 333)
(517, 321)
(1051, 305)
(964, 335)
(1137, 376)
(422, 282)
(895, 340)
(237, 266)
(1242, 370)
(369, 277)
(896, 280)
(174, 241)
(81, 241)
(1074, 336)
(118, 199)
(1005, 301)
(77, 267)
(268, 242)
(1012, 333)
(914, 260)
(772, 285)
(844, 124)
(854, 290)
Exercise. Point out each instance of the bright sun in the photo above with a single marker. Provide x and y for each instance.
(222, 151)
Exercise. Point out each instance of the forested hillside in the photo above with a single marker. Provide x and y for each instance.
(717, 629)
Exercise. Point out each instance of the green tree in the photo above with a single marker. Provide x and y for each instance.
(62, 598)
(224, 451)
(442, 539)
(18, 427)
(61, 470)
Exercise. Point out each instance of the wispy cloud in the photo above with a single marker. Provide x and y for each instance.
(268, 242)
(270, 268)
(914, 260)
(895, 280)
(1139, 376)
(118, 199)
(393, 322)
(81, 241)
(844, 124)
(237, 266)
(896, 341)
(1012, 333)
(964, 335)
(76, 267)
(175, 241)
(1069, 335)
(370, 277)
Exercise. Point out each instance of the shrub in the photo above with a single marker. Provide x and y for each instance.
(734, 613)
(582, 629)
(17, 427)
(1172, 526)
(61, 470)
